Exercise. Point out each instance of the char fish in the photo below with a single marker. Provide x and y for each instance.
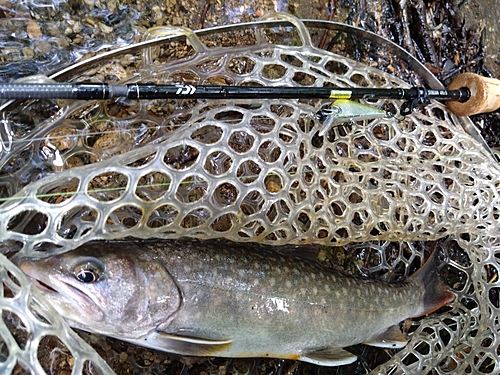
(215, 298)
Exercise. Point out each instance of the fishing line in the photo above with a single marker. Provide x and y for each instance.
(230, 178)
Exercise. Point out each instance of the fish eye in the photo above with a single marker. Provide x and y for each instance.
(87, 272)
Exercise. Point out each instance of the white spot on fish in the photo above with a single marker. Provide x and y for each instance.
(315, 290)
(288, 284)
(272, 281)
(277, 304)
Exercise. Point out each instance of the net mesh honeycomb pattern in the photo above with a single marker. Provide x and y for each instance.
(257, 170)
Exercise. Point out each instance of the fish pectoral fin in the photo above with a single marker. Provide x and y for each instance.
(331, 356)
(183, 345)
(391, 338)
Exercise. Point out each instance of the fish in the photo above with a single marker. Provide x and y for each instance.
(217, 298)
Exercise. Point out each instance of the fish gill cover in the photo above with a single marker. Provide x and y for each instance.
(252, 171)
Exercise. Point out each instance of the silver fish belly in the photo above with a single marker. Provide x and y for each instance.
(218, 299)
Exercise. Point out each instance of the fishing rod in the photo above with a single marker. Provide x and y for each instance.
(100, 91)
(468, 94)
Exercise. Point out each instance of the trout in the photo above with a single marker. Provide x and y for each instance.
(215, 298)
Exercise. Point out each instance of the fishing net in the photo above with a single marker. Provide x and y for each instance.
(255, 171)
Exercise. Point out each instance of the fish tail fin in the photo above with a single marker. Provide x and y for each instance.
(436, 292)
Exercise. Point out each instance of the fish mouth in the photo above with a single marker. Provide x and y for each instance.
(42, 286)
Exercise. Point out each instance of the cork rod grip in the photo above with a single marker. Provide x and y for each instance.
(485, 95)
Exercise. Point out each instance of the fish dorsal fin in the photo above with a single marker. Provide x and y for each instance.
(183, 345)
(391, 338)
(331, 356)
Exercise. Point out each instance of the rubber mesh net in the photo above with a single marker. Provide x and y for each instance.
(253, 170)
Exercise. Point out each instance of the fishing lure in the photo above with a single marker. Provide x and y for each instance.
(343, 110)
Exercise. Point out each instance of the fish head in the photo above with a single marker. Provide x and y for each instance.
(107, 290)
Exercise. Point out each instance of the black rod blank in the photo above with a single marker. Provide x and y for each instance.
(98, 91)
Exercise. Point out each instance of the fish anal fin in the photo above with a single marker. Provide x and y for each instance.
(331, 356)
(193, 346)
(391, 338)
